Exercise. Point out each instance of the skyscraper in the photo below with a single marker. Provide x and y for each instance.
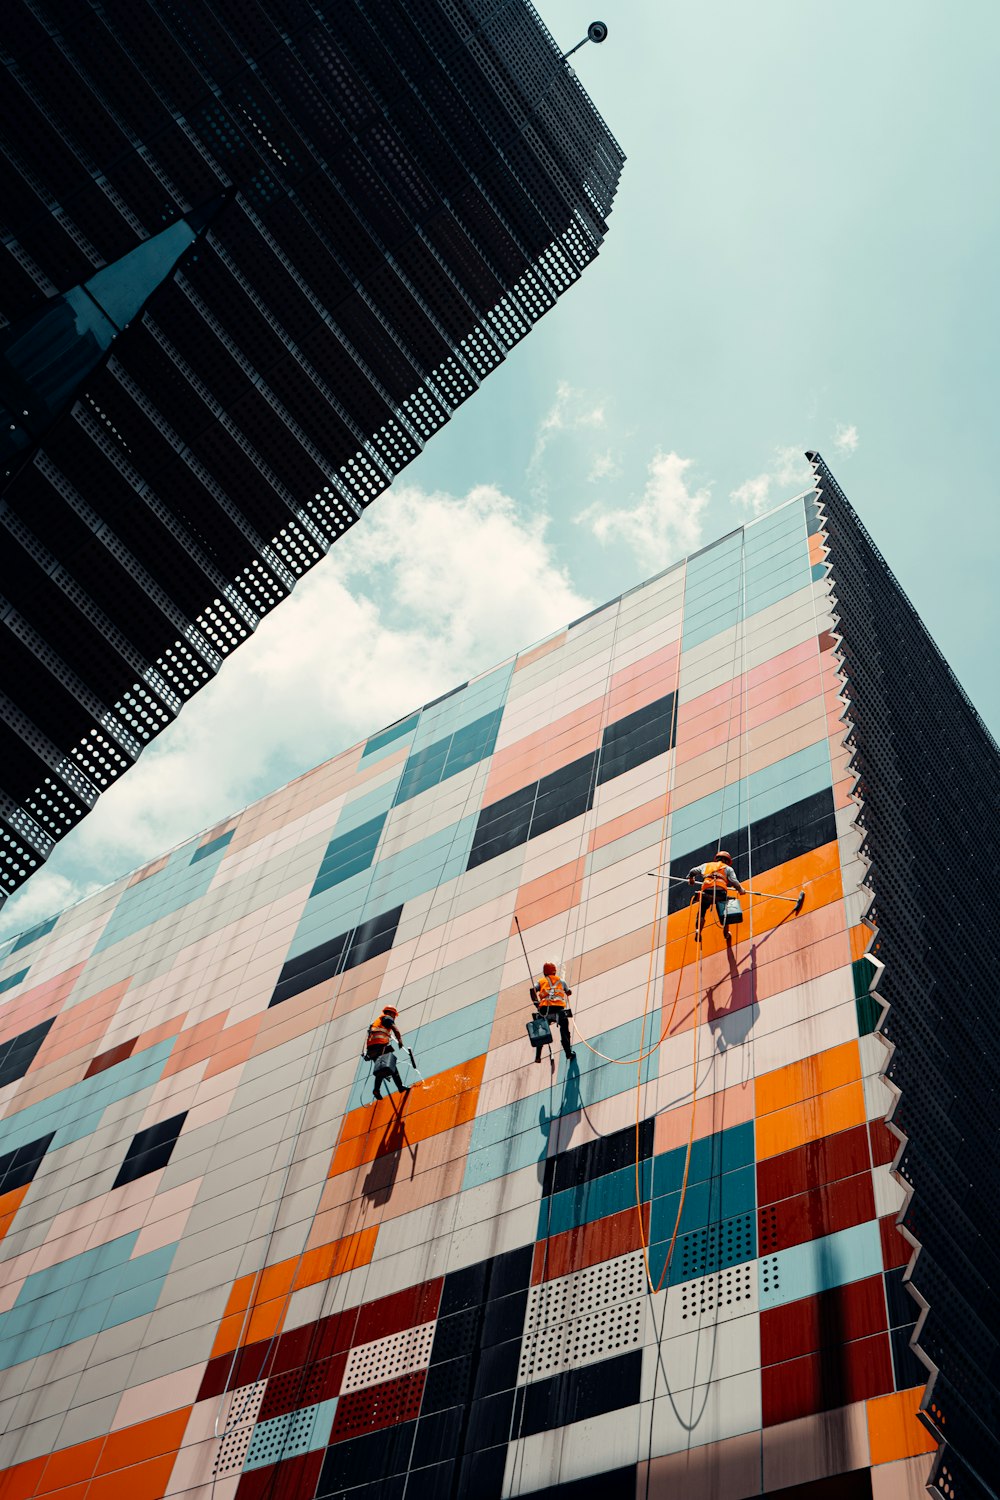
(255, 255)
(676, 1264)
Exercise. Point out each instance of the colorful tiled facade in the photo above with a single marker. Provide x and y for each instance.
(668, 1267)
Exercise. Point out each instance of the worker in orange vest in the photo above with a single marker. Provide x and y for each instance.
(716, 878)
(379, 1050)
(550, 995)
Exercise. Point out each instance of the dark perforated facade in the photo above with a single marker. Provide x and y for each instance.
(254, 255)
(930, 808)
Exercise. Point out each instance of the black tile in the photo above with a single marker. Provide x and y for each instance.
(374, 1457)
(511, 1272)
(456, 1335)
(448, 1384)
(902, 1308)
(481, 1475)
(328, 959)
(150, 1149)
(17, 1055)
(489, 1421)
(497, 1368)
(504, 1319)
(439, 1436)
(576, 1395)
(433, 1483)
(907, 1368)
(856, 1485)
(18, 1167)
(782, 836)
(596, 1158)
(465, 1288)
(615, 1484)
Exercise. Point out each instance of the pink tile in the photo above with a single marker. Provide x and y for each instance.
(37, 1003)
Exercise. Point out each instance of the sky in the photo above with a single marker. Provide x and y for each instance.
(802, 254)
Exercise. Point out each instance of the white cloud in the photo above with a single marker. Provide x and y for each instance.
(664, 524)
(788, 474)
(405, 606)
(846, 439)
(604, 466)
(571, 411)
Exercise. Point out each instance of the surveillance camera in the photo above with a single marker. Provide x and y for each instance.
(597, 32)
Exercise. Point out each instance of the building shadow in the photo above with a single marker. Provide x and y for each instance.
(390, 1153)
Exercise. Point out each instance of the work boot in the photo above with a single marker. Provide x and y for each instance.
(570, 1056)
(538, 1054)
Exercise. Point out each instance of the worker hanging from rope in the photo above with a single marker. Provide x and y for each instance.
(716, 878)
(380, 1052)
(550, 995)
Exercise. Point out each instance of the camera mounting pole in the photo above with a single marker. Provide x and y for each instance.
(596, 32)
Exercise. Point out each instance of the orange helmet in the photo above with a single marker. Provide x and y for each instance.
(725, 856)
(390, 1010)
(548, 969)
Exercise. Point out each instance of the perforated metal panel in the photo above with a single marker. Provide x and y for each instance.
(384, 1359)
(238, 1431)
(728, 1293)
(586, 1316)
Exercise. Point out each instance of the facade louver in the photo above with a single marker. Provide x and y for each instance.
(254, 254)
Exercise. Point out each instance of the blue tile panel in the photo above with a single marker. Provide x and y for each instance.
(816, 1265)
(455, 711)
(447, 757)
(76, 1111)
(437, 1045)
(771, 563)
(205, 851)
(767, 791)
(79, 1297)
(34, 933)
(388, 738)
(13, 980)
(181, 881)
(349, 854)
(289, 1435)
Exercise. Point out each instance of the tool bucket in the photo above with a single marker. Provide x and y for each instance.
(539, 1032)
(733, 912)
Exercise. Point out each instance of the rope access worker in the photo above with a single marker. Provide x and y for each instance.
(717, 878)
(379, 1050)
(550, 995)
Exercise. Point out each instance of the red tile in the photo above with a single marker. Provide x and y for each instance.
(378, 1406)
(830, 1318)
(290, 1390)
(817, 1162)
(822, 1382)
(896, 1251)
(289, 1480)
(113, 1055)
(809, 1216)
(405, 1309)
(884, 1143)
(316, 1341)
(604, 1239)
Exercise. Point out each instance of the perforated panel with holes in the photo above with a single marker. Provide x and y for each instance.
(383, 1359)
(586, 1316)
(728, 1293)
(238, 1430)
(291, 1434)
(383, 1405)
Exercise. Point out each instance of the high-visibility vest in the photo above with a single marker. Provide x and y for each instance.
(378, 1034)
(715, 877)
(551, 990)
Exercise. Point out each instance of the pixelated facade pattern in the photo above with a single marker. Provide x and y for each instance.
(669, 1266)
(255, 254)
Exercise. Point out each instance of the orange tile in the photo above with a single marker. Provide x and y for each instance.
(826, 1114)
(545, 750)
(817, 551)
(161, 1033)
(71, 1465)
(195, 1044)
(617, 828)
(373, 1130)
(9, 1205)
(327, 1261)
(860, 936)
(894, 1429)
(21, 1481)
(228, 1334)
(131, 1446)
(235, 1046)
(798, 1081)
(144, 1481)
(537, 652)
(37, 1004)
(550, 895)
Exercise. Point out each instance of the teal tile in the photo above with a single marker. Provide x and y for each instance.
(815, 1266)
(388, 739)
(77, 1111)
(437, 1045)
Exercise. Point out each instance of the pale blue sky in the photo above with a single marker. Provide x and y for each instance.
(804, 248)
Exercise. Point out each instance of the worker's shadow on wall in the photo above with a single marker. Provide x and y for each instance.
(563, 1120)
(393, 1150)
(732, 1003)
